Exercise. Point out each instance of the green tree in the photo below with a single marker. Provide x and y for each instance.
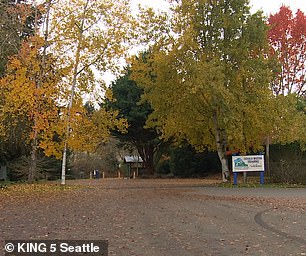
(126, 98)
(17, 23)
(210, 83)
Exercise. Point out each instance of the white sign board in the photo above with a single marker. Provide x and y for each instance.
(254, 163)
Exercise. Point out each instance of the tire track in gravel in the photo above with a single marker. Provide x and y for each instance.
(259, 220)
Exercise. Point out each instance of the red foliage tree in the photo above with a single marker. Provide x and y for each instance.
(287, 36)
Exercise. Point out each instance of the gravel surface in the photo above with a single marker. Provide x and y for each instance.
(162, 217)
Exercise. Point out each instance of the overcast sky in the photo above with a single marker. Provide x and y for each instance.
(268, 6)
(272, 6)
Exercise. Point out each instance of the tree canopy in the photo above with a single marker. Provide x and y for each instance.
(126, 98)
(211, 85)
(287, 40)
(287, 37)
(47, 79)
(17, 23)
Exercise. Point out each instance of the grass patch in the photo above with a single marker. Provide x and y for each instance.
(258, 185)
(253, 181)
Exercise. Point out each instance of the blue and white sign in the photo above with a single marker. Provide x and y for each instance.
(252, 163)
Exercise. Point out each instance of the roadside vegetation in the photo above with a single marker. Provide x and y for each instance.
(211, 79)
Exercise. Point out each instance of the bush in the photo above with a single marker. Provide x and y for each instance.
(287, 164)
(186, 162)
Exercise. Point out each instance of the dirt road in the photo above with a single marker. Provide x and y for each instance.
(163, 217)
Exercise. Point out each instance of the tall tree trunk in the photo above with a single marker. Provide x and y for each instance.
(32, 175)
(147, 154)
(73, 86)
(268, 157)
(33, 158)
(221, 150)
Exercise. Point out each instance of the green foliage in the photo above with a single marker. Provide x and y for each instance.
(126, 96)
(126, 99)
(17, 23)
(47, 167)
(184, 161)
(288, 163)
(301, 104)
(210, 86)
(288, 119)
(13, 146)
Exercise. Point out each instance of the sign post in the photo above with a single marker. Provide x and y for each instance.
(262, 178)
(250, 163)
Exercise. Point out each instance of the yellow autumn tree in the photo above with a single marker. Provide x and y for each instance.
(48, 79)
(89, 37)
(29, 98)
(208, 78)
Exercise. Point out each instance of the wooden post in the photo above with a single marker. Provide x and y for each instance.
(268, 157)
(245, 178)
(137, 164)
